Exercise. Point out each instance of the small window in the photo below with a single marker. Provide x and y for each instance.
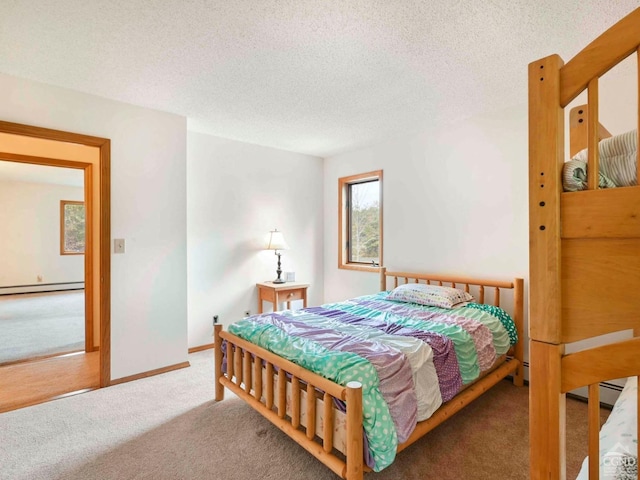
(72, 227)
(360, 221)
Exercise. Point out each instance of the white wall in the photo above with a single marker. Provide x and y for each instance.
(454, 202)
(236, 194)
(148, 210)
(30, 239)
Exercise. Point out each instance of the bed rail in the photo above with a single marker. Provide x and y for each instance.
(600, 56)
(249, 366)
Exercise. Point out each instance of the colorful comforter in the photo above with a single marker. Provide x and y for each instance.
(409, 358)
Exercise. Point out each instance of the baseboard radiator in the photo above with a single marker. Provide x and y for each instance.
(41, 287)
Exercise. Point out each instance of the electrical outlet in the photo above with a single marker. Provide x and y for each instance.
(215, 319)
(247, 313)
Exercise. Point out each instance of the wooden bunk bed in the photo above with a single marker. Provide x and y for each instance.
(301, 403)
(584, 251)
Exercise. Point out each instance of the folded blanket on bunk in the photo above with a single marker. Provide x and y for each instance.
(619, 439)
(618, 164)
(409, 358)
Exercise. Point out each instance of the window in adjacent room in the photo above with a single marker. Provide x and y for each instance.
(360, 221)
(72, 227)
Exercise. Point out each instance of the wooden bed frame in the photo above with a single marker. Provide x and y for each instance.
(584, 252)
(285, 400)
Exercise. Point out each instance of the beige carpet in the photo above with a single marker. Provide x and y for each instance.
(38, 324)
(167, 427)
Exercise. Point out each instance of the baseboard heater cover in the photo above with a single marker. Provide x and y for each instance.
(41, 288)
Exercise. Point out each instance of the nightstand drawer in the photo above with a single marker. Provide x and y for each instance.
(279, 293)
(291, 295)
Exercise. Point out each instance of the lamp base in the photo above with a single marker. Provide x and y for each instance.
(279, 270)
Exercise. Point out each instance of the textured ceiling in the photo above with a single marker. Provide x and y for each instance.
(316, 77)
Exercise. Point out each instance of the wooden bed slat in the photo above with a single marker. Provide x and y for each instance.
(481, 294)
(247, 370)
(311, 411)
(282, 393)
(593, 154)
(599, 364)
(327, 426)
(600, 281)
(594, 431)
(295, 399)
(605, 213)
(230, 359)
(237, 360)
(257, 378)
(269, 377)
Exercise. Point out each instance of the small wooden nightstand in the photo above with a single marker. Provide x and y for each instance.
(277, 293)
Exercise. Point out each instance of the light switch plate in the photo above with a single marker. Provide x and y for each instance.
(118, 245)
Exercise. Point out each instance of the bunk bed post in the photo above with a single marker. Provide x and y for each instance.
(217, 352)
(546, 155)
(547, 412)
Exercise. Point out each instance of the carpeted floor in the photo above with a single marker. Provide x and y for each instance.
(168, 427)
(37, 324)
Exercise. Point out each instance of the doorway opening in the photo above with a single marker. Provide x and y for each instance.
(42, 253)
(89, 368)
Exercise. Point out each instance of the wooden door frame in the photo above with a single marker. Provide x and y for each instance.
(104, 185)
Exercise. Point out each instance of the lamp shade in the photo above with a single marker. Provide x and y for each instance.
(277, 241)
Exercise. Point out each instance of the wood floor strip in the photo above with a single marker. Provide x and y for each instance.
(30, 383)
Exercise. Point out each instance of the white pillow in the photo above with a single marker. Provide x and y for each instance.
(432, 295)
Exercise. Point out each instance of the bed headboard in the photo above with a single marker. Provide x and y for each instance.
(485, 291)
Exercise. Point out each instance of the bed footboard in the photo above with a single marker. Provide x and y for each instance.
(280, 390)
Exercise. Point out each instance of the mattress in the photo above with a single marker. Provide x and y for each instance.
(619, 439)
(618, 164)
(409, 358)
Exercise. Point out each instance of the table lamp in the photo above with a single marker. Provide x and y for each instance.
(276, 243)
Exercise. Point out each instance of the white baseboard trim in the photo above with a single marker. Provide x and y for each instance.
(41, 288)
